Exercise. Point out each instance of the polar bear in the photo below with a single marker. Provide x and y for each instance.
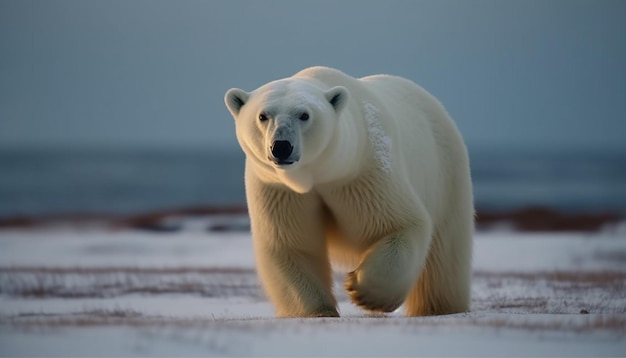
(369, 174)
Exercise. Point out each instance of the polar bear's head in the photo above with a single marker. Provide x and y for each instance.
(286, 125)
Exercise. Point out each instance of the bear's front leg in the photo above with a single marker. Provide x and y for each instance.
(290, 249)
(296, 282)
(389, 270)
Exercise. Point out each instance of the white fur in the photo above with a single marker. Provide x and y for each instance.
(381, 184)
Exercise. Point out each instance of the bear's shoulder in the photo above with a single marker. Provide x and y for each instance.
(330, 76)
(317, 71)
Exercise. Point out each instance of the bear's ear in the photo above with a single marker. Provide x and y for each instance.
(337, 97)
(235, 98)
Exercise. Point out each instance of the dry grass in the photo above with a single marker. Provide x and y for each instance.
(541, 292)
(579, 277)
(555, 292)
(499, 298)
(80, 282)
(122, 269)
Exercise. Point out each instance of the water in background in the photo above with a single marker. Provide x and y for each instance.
(568, 181)
(34, 182)
(37, 182)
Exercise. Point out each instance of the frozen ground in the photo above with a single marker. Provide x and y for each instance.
(99, 292)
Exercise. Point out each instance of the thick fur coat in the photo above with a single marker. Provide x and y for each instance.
(369, 174)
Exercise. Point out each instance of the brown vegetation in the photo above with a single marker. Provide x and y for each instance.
(543, 219)
(527, 219)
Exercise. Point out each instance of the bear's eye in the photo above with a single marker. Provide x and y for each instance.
(262, 117)
(304, 116)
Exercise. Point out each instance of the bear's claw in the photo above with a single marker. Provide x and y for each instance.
(366, 299)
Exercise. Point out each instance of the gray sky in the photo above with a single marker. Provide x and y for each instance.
(132, 73)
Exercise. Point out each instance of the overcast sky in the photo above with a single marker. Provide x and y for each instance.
(134, 73)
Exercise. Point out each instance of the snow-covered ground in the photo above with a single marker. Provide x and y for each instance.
(101, 292)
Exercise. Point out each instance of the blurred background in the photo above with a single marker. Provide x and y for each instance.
(116, 107)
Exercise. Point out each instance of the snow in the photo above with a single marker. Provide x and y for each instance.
(102, 292)
(546, 252)
(381, 143)
(304, 337)
(95, 248)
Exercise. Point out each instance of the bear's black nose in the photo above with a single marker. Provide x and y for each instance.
(281, 149)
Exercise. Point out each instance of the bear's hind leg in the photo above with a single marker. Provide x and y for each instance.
(443, 286)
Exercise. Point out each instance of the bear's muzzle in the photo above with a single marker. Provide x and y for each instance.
(281, 150)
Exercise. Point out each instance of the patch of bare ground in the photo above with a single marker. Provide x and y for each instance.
(219, 219)
(526, 219)
(597, 278)
(575, 301)
(545, 219)
(100, 282)
(122, 269)
(558, 292)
